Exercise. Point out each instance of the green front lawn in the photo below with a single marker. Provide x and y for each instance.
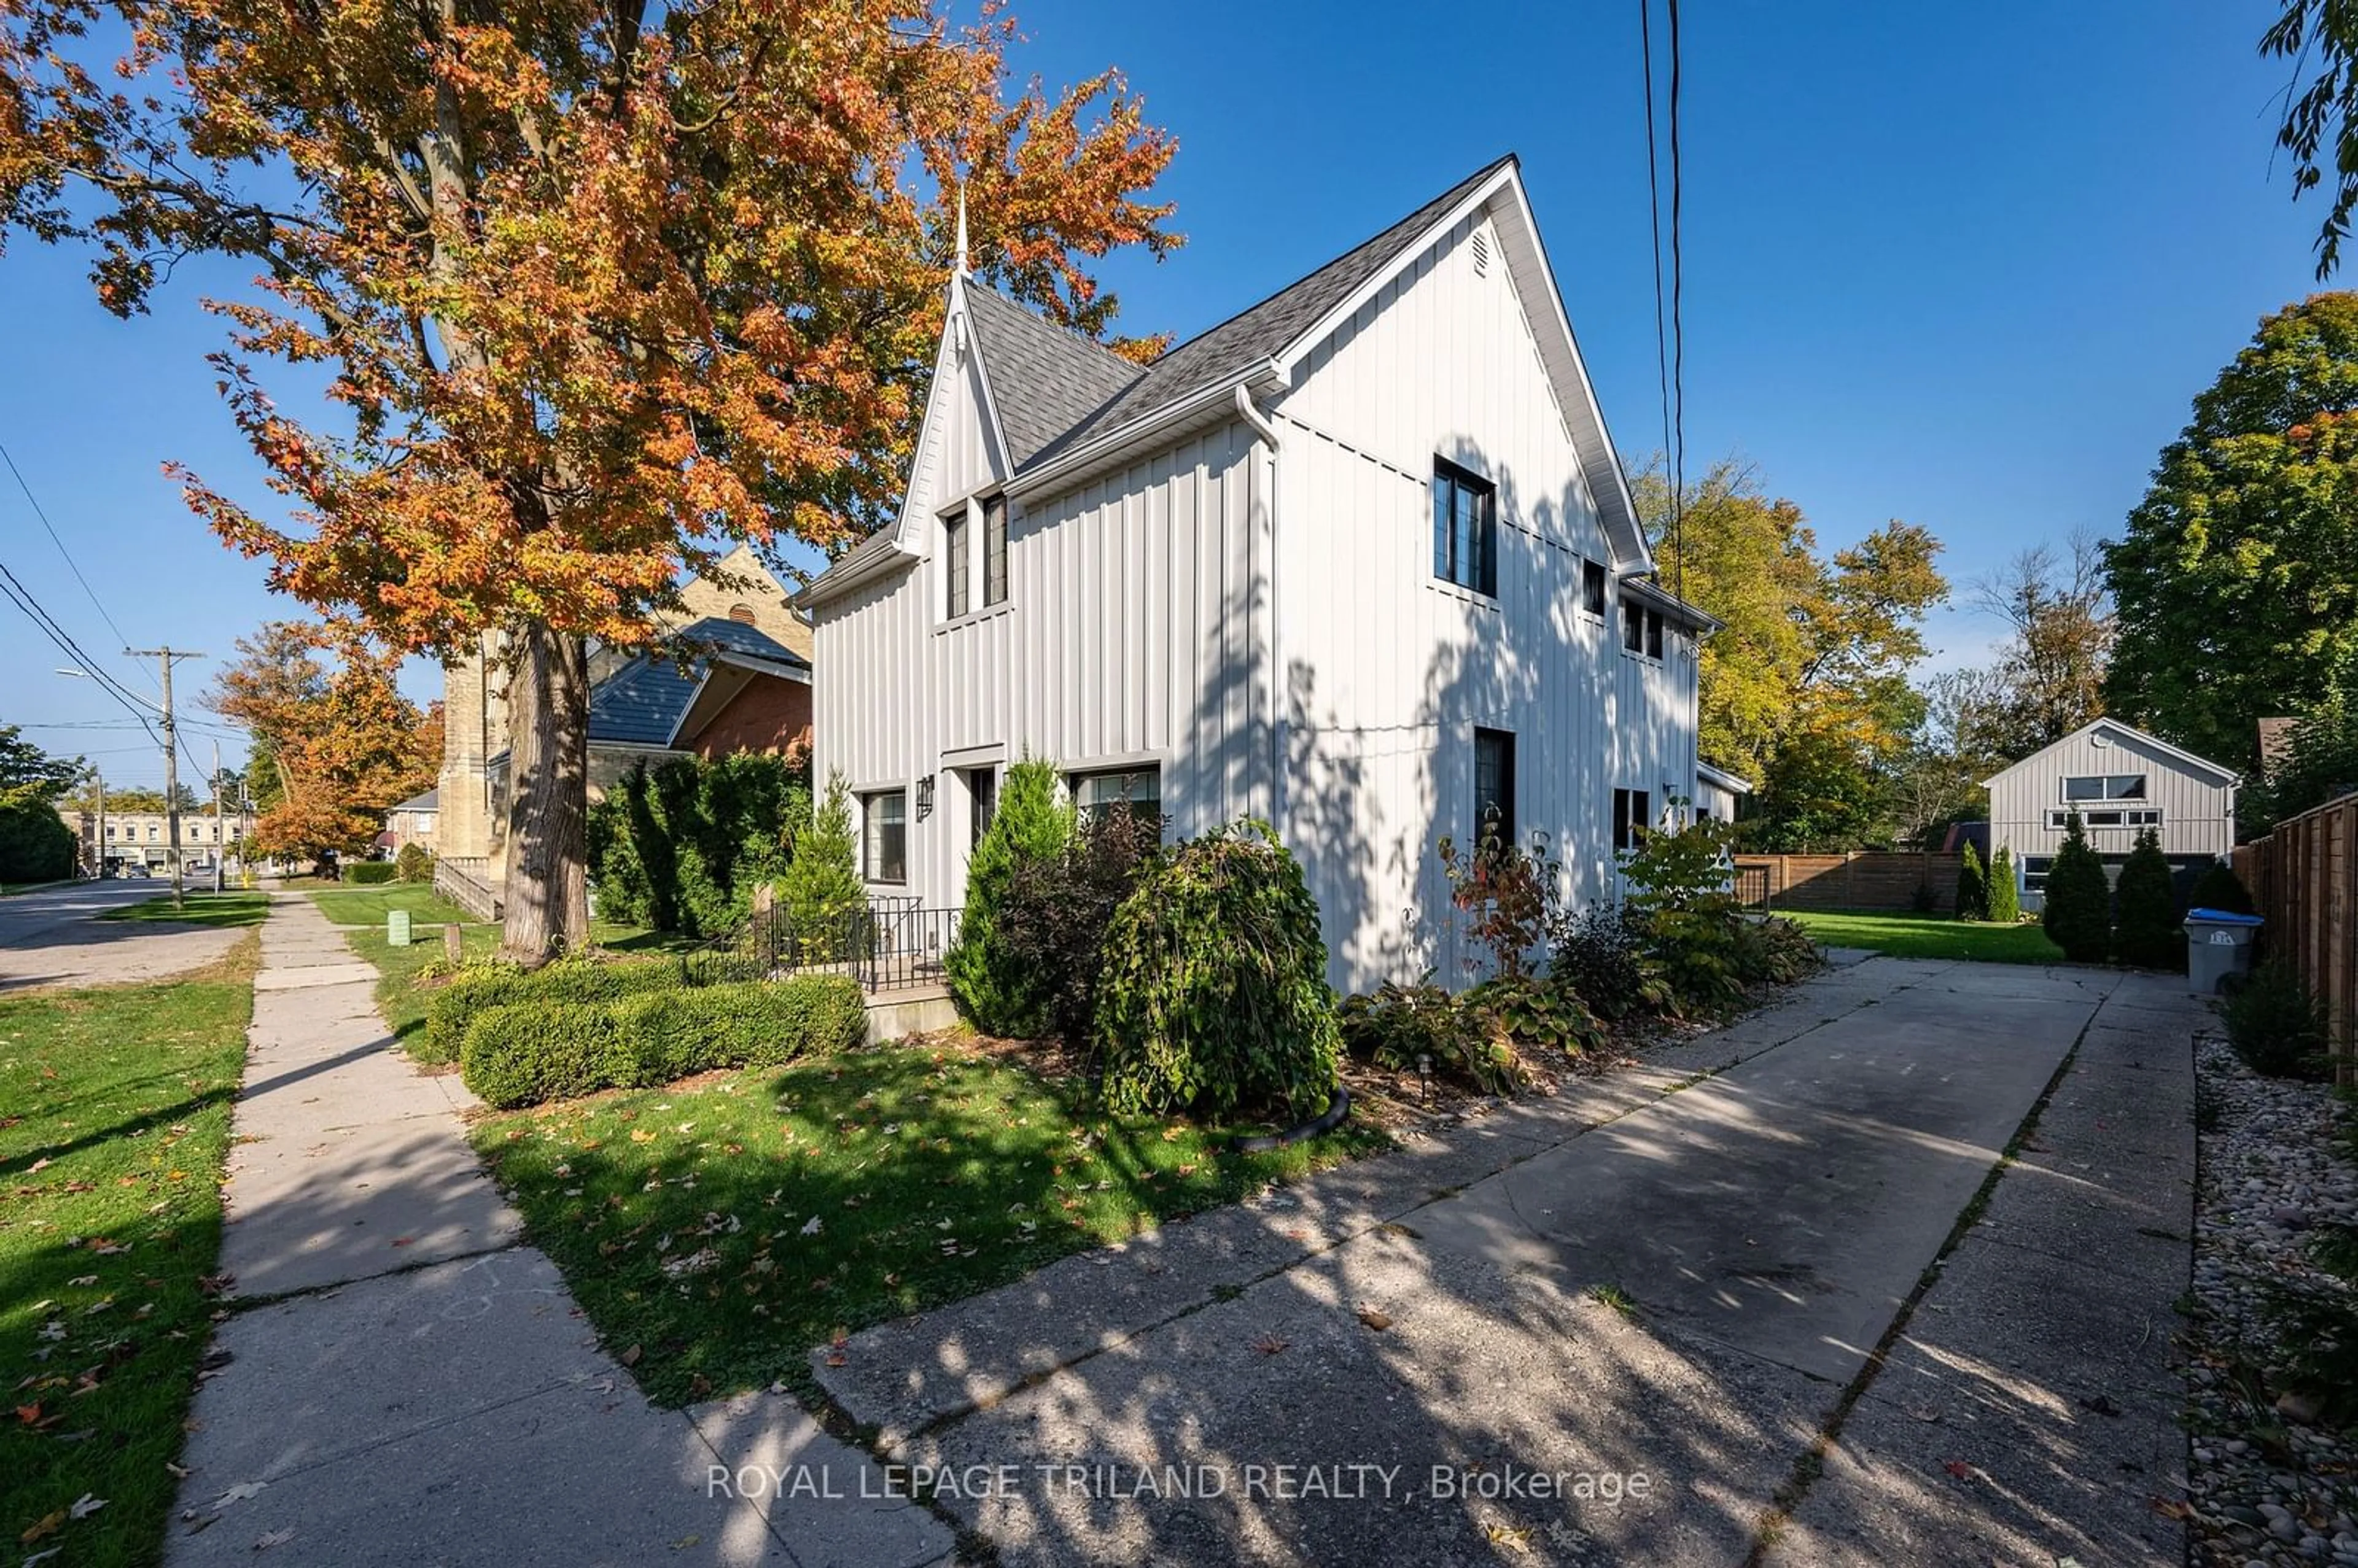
(716, 1229)
(115, 1117)
(1931, 937)
(370, 906)
(218, 909)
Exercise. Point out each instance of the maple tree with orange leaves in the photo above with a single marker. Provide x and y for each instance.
(321, 703)
(603, 288)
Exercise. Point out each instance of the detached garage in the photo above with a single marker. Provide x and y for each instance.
(2121, 781)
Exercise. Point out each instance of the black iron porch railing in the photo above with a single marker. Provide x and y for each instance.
(886, 943)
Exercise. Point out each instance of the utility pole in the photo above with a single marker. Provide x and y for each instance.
(99, 779)
(220, 850)
(171, 766)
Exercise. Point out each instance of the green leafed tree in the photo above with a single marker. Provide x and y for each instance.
(2148, 934)
(1973, 885)
(2077, 909)
(2005, 898)
(2236, 583)
(24, 765)
(821, 895)
(2320, 128)
(997, 990)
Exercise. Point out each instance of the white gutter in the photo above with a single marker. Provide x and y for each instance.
(1266, 433)
(1069, 466)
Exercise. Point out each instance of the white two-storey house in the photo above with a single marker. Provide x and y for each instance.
(1360, 561)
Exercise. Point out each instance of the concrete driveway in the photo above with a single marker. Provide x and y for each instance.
(52, 936)
(1770, 1297)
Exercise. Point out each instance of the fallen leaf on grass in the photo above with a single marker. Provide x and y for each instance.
(1959, 1468)
(630, 1357)
(46, 1524)
(811, 1226)
(85, 1505)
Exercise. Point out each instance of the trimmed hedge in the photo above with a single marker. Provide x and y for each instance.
(520, 1053)
(450, 1012)
(368, 873)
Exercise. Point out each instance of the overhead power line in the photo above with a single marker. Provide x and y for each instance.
(72, 565)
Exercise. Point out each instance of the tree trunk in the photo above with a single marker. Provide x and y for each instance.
(548, 795)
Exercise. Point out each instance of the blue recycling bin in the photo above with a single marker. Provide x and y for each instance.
(2218, 944)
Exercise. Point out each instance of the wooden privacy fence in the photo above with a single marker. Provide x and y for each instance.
(2304, 878)
(1870, 879)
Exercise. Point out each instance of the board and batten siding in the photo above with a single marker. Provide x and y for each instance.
(2197, 815)
(1386, 671)
(1133, 634)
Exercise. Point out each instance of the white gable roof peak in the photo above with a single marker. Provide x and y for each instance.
(2115, 728)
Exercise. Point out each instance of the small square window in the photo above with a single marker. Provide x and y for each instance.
(885, 843)
(1592, 588)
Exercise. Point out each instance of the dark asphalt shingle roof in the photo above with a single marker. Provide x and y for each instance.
(1053, 389)
(430, 801)
(642, 703)
(1266, 328)
(1044, 379)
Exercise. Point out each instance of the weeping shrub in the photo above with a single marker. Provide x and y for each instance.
(2149, 934)
(1213, 996)
(999, 991)
(2078, 909)
(414, 864)
(1973, 885)
(2005, 898)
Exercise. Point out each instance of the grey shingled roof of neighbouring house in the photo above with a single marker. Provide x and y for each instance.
(642, 703)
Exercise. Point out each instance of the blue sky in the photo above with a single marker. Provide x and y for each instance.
(1960, 266)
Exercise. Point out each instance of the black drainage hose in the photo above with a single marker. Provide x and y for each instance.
(1325, 1121)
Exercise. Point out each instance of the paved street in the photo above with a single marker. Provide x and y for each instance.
(1656, 1293)
(52, 936)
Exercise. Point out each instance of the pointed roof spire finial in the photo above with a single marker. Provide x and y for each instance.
(961, 230)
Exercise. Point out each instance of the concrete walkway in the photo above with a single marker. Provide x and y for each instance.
(1659, 1294)
(403, 1383)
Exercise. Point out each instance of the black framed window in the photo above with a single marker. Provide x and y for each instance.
(2105, 786)
(954, 550)
(1633, 818)
(1136, 790)
(1494, 786)
(1592, 588)
(982, 802)
(1464, 528)
(884, 841)
(994, 550)
(1633, 626)
(1653, 633)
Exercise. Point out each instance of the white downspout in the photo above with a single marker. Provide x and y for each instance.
(1266, 432)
